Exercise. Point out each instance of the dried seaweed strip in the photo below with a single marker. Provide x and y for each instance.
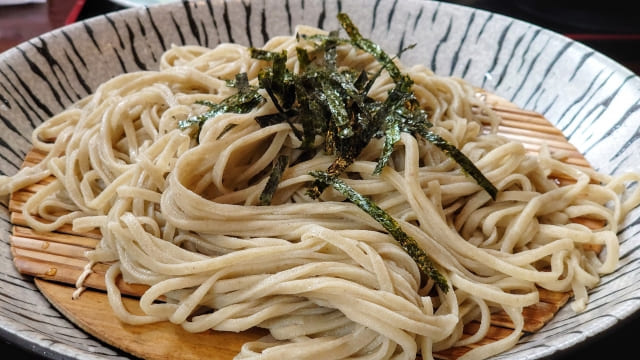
(270, 187)
(390, 224)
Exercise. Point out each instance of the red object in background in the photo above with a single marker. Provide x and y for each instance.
(75, 12)
(19, 23)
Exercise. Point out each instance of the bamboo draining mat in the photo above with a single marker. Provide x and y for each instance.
(56, 260)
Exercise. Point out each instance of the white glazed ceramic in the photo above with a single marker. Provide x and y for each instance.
(591, 98)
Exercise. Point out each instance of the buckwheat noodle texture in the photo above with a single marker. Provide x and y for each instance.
(181, 214)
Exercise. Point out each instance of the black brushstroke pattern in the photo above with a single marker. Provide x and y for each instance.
(178, 30)
(18, 281)
(374, 16)
(43, 50)
(441, 42)
(467, 66)
(322, 15)
(141, 27)
(9, 124)
(391, 13)
(624, 161)
(636, 135)
(547, 71)
(89, 32)
(24, 305)
(580, 99)
(5, 101)
(34, 325)
(401, 44)
(417, 19)
(143, 32)
(191, 21)
(263, 25)
(536, 98)
(227, 22)
(115, 30)
(512, 55)
(583, 60)
(287, 10)
(434, 16)
(599, 108)
(6, 160)
(32, 97)
(7, 222)
(156, 30)
(247, 21)
(483, 27)
(134, 49)
(213, 19)
(529, 70)
(13, 93)
(498, 51)
(463, 41)
(77, 339)
(630, 223)
(624, 269)
(551, 103)
(46, 80)
(527, 49)
(205, 34)
(4, 144)
(85, 87)
(72, 44)
(123, 65)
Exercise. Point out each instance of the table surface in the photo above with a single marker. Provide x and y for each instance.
(22, 22)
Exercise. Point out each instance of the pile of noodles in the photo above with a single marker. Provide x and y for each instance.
(181, 215)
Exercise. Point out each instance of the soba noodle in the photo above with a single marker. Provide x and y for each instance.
(181, 215)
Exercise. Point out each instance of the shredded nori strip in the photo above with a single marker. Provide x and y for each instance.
(270, 187)
(246, 99)
(369, 46)
(324, 101)
(403, 112)
(226, 130)
(388, 223)
(465, 163)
